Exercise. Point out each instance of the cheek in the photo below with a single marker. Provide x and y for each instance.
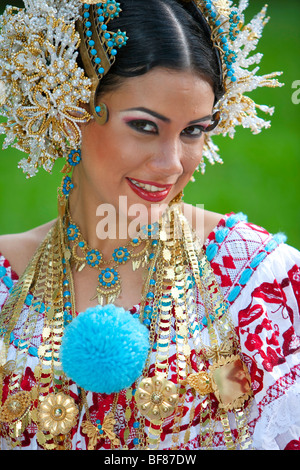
(193, 157)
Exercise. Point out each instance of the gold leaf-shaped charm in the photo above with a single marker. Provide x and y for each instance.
(34, 415)
(7, 368)
(41, 438)
(167, 254)
(128, 414)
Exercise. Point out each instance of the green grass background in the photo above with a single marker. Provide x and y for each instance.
(260, 175)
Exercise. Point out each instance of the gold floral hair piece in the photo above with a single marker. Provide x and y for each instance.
(43, 89)
(236, 41)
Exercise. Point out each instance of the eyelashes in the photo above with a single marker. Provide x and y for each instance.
(193, 131)
(148, 127)
(143, 126)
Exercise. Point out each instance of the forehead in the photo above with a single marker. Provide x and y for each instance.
(164, 88)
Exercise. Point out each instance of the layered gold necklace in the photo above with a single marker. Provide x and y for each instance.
(178, 271)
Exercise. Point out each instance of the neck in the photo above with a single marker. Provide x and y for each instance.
(99, 231)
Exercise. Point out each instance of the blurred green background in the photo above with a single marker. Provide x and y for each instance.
(260, 175)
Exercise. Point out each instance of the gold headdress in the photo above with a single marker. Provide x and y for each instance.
(235, 42)
(42, 88)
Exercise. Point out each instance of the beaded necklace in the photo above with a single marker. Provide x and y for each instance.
(177, 270)
(109, 281)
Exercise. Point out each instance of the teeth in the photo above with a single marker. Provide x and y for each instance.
(147, 187)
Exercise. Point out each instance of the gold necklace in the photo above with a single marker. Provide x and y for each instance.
(170, 299)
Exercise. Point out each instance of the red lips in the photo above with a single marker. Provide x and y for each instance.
(156, 196)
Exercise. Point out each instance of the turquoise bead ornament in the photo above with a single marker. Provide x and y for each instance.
(67, 185)
(74, 157)
(104, 349)
(109, 277)
(93, 258)
(72, 232)
(121, 255)
(99, 47)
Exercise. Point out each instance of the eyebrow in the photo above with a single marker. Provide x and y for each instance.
(164, 118)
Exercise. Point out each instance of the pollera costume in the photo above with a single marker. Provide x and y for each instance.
(208, 359)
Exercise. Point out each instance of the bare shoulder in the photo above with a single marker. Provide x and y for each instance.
(19, 248)
(202, 221)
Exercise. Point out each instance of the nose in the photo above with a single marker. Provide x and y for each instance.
(167, 161)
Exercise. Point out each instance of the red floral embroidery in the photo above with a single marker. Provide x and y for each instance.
(256, 374)
(270, 293)
(293, 445)
(249, 315)
(265, 326)
(253, 342)
(294, 276)
(271, 359)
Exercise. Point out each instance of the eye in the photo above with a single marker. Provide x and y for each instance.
(144, 126)
(193, 131)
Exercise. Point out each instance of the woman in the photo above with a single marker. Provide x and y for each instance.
(206, 356)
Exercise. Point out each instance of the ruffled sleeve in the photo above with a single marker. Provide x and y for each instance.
(259, 275)
(269, 330)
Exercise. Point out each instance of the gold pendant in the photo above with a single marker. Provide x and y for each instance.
(231, 382)
(15, 412)
(228, 379)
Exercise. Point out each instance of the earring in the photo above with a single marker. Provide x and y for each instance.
(72, 160)
(74, 157)
(66, 186)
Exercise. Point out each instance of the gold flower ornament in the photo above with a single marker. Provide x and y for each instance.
(15, 407)
(57, 414)
(156, 398)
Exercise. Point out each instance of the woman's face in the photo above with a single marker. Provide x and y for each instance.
(153, 140)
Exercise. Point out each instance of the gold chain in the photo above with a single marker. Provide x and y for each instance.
(169, 267)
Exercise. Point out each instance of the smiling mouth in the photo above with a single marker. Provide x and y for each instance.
(149, 187)
(150, 192)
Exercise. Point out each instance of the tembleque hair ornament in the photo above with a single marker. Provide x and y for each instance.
(43, 89)
(235, 41)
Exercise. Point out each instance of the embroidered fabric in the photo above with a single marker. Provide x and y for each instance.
(265, 312)
(279, 422)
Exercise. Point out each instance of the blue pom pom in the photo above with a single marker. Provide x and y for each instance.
(104, 349)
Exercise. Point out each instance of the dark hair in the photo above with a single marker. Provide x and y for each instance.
(163, 33)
